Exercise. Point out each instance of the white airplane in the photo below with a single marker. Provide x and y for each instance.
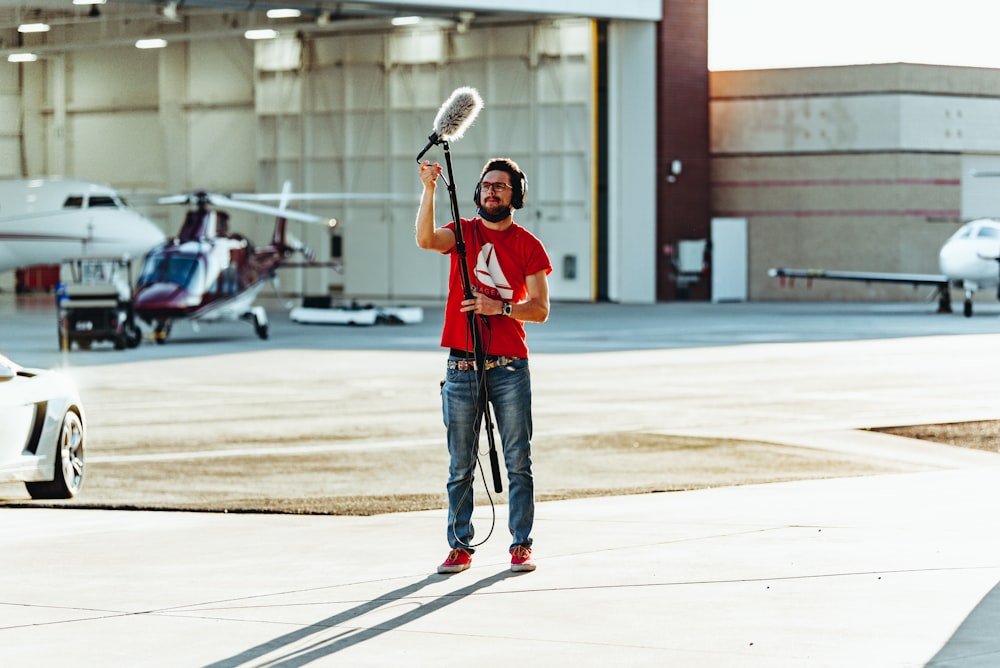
(969, 259)
(45, 220)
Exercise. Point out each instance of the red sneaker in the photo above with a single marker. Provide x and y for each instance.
(458, 560)
(520, 559)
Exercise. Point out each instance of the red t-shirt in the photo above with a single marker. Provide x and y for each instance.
(499, 264)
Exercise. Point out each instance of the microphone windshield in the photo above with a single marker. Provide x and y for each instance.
(457, 113)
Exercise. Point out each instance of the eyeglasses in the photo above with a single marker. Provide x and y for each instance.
(495, 187)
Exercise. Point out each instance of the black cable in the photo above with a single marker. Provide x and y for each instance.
(475, 391)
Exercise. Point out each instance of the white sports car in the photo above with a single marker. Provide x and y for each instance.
(42, 431)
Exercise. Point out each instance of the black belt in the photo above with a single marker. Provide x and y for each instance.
(467, 360)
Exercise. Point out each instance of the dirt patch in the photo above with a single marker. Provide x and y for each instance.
(981, 435)
(383, 480)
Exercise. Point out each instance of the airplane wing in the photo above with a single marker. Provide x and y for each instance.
(939, 280)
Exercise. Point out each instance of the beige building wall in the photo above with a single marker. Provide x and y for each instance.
(851, 168)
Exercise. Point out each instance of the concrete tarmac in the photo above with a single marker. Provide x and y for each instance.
(884, 570)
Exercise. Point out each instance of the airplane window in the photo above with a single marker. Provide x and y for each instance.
(988, 233)
(73, 202)
(101, 200)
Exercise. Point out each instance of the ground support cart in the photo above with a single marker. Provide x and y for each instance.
(94, 299)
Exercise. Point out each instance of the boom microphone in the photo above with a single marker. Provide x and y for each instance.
(454, 117)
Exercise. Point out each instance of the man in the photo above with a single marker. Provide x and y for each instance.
(508, 269)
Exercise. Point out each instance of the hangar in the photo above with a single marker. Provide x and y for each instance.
(857, 168)
(165, 96)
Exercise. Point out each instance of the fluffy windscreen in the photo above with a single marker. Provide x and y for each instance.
(457, 113)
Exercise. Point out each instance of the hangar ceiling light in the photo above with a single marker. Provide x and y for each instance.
(151, 43)
(124, 22)
(261, 33)
(33, 27)
(286, 13)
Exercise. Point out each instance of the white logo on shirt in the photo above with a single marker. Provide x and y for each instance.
(489, 273)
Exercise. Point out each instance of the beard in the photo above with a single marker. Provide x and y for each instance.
(493, 211)
(494, 214)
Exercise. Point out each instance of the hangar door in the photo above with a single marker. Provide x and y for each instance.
(349, 113)
(730, 259)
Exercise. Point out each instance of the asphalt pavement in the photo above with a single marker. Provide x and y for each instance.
(894, 569)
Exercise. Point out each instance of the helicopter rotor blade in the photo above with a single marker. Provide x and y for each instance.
(323, 197)
(277, 212)
(231, 202)
(174, 199)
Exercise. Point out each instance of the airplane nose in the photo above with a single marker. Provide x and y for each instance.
(149, 236)
(952, 262)
(156, 235)
(966, 260)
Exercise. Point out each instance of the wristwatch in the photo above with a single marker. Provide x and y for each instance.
(506, 309)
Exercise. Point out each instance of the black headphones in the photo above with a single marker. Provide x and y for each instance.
(519, 181)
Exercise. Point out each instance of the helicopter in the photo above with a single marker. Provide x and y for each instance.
(207, 272)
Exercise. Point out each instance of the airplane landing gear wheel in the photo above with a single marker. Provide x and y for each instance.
(967, 308)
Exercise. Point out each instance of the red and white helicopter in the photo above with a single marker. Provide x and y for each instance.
(969, 259)
(208, 273)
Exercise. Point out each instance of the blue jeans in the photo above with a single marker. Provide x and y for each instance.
(509, 390)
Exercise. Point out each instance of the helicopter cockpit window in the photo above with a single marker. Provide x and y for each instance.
(73, 202)
(151, 270)
(182, 270)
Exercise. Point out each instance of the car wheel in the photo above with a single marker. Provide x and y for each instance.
(68, 475)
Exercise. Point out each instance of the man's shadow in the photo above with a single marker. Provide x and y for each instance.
(975, 642)
(325, 646)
